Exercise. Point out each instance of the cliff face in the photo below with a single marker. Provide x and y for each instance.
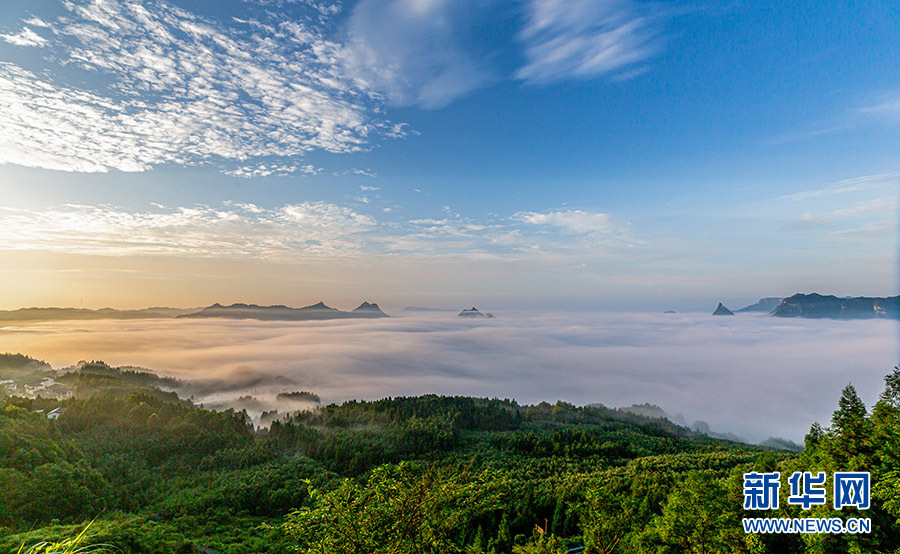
(820, 306)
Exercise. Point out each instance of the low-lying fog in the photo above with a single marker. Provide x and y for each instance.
(752, 375)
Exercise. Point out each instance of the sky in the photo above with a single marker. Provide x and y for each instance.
(749, 375)
(543, 154)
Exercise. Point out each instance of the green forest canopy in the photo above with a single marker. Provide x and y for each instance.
(411, 474)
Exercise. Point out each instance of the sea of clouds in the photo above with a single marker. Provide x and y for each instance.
(751, 375)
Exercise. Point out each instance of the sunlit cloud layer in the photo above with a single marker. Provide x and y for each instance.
(752, 375)
(294, 231)
(308, 228)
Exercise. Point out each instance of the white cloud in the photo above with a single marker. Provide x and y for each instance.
(295, 231)
(887, 107)
(574, 221)
(176, 88)
(305, 229)
(877, 208)
(25, 37)
(265, 170)
(855, 184)
(36, 22)
(410, 51)
(586, 38)
(323, 7)
(867, 231)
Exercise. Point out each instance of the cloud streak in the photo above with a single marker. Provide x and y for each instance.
(410, 51)
(856, 184)
(304, 229)
(586, 38)
(292, 232)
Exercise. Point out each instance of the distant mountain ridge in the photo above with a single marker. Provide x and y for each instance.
(315, 312)
(53, 314)
(766, 305)
(820, 306)
(318, 311)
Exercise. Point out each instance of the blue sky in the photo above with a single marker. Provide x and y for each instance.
(604, 154)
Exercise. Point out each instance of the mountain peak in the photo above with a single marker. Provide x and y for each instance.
(318, 306)
(369, 309)
(722, 310)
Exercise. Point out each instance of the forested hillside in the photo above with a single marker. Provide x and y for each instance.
(404, 475)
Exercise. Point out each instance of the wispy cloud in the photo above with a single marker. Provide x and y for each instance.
(265, 170)
(866, 182)
(295, 231)
(306, 229)
(25, 37)
(410, 51)
(176, 88)
(860, 223)
(573, 220)
(867, 231)
(587, 38)
(857, 209)
(887, 107)
(596, 228)
(871, 208)
(877, 208)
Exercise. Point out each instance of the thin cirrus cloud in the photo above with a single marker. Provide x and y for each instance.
(411, 52)
(295, 232)
(855, 184)
(884, 209)
(858, 208)
(175, 88)
(305, 229)
(888, 107)
(587, 38)
(596, 228)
